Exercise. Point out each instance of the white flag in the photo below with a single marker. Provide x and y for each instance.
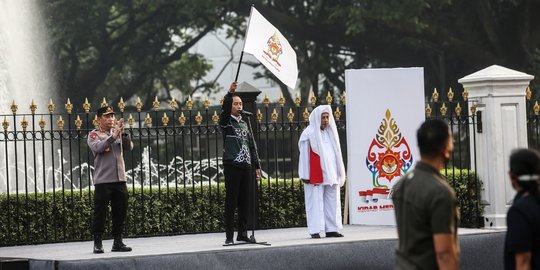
(268, 45)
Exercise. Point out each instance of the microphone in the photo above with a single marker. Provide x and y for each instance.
(246, 113)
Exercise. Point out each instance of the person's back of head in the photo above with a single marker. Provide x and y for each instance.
(525, 170)
(432, 137)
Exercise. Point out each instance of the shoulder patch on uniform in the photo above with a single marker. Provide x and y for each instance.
(93, 135)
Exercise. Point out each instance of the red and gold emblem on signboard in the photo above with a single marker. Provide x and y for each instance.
(388, 157)
(275, 50)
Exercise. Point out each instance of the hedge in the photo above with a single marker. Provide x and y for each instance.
(67, 216)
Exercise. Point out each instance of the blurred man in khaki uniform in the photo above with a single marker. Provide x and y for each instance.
(426, 206)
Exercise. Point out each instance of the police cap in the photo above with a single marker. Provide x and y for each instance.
(104, 111)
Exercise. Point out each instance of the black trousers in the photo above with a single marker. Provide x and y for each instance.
(236, 195)
(117, 195)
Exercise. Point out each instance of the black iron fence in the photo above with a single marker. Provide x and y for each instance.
(460, 169)
(46, 167)
(533, 119)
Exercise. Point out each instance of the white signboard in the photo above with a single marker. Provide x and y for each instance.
(385, 107)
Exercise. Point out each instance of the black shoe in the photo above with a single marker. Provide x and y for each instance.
(242, 237)
(229, 242)
(315, 235)
(118, 245)
(334, 234)
(98, 245)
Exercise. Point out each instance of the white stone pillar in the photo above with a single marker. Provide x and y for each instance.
(499, 94)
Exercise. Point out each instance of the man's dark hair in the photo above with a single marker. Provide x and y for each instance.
(432, 137)
(526, 162)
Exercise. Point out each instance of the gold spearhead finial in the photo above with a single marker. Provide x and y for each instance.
(473, 108)
(148, 120)
(281, 100)
(450, 94)
(343, 98)
(528, 93)
(60, 122)
(206, 103)
(14, 107)
(313, 99)
(443, 109)
(189, 103)
(215, 118)
(266, 100)
(121, 105)
(42, 123)
(274, 115)
(33, 107)
(78, 122)
(173, 104)
(182, 119)
(458, 110)
(428, 110)
(165, 119)
(259, 115)
(329, 98)
(5, 123)
(50, 106)
(104, 103)
(24, 123)
(156, 104)
(290, 115)
(337, 114)
(95, 122)
(305, 114)
(86, 105)
(138, 104)
(68, 106)
(435, 95)
(198, 118)
(297, 100)
(465, 94)
(536, 108)
(131, 121)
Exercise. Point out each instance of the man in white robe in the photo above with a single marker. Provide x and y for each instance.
(323, 173)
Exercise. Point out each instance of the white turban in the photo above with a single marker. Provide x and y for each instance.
(313, 134)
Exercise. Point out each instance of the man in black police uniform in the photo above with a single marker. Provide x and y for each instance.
(107, 144)
(239, 157)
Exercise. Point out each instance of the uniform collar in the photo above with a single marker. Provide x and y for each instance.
(426, 167)
(104, 131)
(237, 118)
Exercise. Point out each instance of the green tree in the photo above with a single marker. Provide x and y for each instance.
(449, 38)
(121, 48)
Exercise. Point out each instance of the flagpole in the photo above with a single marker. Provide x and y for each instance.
(244, 46)
(239, 64)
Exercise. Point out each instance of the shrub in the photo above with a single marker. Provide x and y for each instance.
(67, 216)
(467, 187)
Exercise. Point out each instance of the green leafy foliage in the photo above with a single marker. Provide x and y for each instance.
(467, 187)
(67, 216)
(118, 48)
(449, 38)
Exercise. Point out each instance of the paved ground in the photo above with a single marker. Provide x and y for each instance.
(200, 242)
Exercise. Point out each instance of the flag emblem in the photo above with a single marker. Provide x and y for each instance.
(274, 49)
